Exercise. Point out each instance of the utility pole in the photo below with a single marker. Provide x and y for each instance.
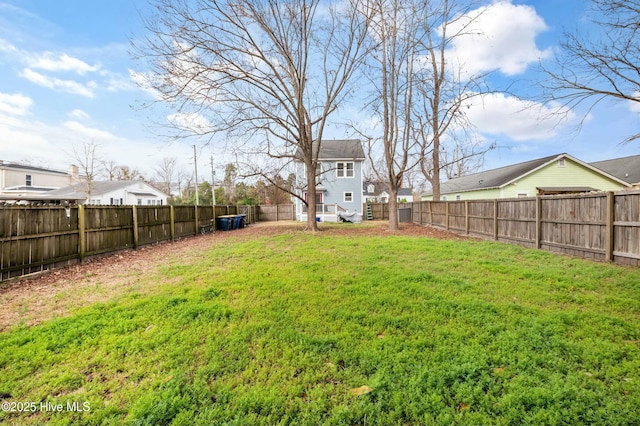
(195, 165)
(213, 184)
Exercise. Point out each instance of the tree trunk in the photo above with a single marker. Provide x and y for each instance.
(393, 209)
(435, 177)
(311, 197)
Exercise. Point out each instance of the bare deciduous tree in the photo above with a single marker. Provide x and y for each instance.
(165, 174)
(588, 70)
(443, 89)
(391, 70)
(86, 156)
(273, 71)
(419, 96)
(110, 168)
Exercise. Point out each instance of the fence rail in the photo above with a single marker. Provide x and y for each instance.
(601, 226)
(34, 238)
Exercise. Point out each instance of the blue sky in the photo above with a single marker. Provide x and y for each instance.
(66, 77)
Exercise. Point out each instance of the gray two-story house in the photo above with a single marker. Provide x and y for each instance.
(338, 182)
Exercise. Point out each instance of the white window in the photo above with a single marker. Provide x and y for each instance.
(370, 189)
(344, 169)
(348, 197)
(139, 201)
(522, 194)
(561, 162)
(458, 197)
(318, 197)
(28, 180)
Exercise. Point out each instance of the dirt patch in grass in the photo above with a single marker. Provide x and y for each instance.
(32, 300)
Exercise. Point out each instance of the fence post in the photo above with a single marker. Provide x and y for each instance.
(466, 217)
(172, 225)
(277, 212)
(446, 215)
(81, 232)
(197, 221)
(495, 219)
(430, 212)
(538, 221)
(134, 214)
(608, 256)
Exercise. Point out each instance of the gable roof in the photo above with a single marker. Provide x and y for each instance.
(379, 187)
(79, 190)
(26, 167)
(625, 168)
(338, 149)
(494, 178)
(501, 177)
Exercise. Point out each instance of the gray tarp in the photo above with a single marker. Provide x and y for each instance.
(353, 217)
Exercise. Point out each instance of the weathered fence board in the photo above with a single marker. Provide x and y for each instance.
(276, 213)
(34, 238)
(599, 226)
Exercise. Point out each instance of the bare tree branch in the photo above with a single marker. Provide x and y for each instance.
(267, 73)
(589, 70)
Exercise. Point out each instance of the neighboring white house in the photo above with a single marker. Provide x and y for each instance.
(339, 181)
(378, 192)
(113, 193)
(22, 181)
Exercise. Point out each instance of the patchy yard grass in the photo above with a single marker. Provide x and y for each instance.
(340, 329)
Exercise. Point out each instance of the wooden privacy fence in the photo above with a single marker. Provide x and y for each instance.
(600, 226)
(34, 238)
(276, 212)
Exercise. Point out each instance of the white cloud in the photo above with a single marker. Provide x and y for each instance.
(68, 86)
(5, 46)
(500, 36)
(48, 62)
(79, 114)
(118, 82)
(16, 104)
(144, 81)
(85, 132)
(634, 106)
(518, 119)
(190, 121)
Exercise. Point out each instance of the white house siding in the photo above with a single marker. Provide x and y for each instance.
(16, 179)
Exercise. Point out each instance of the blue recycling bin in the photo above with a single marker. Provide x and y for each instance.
(223, 223)
(239, 221)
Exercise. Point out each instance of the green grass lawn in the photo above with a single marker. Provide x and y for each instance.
(326, 329)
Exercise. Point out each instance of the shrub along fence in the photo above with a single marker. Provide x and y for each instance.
(34, 238)
(600, 226)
